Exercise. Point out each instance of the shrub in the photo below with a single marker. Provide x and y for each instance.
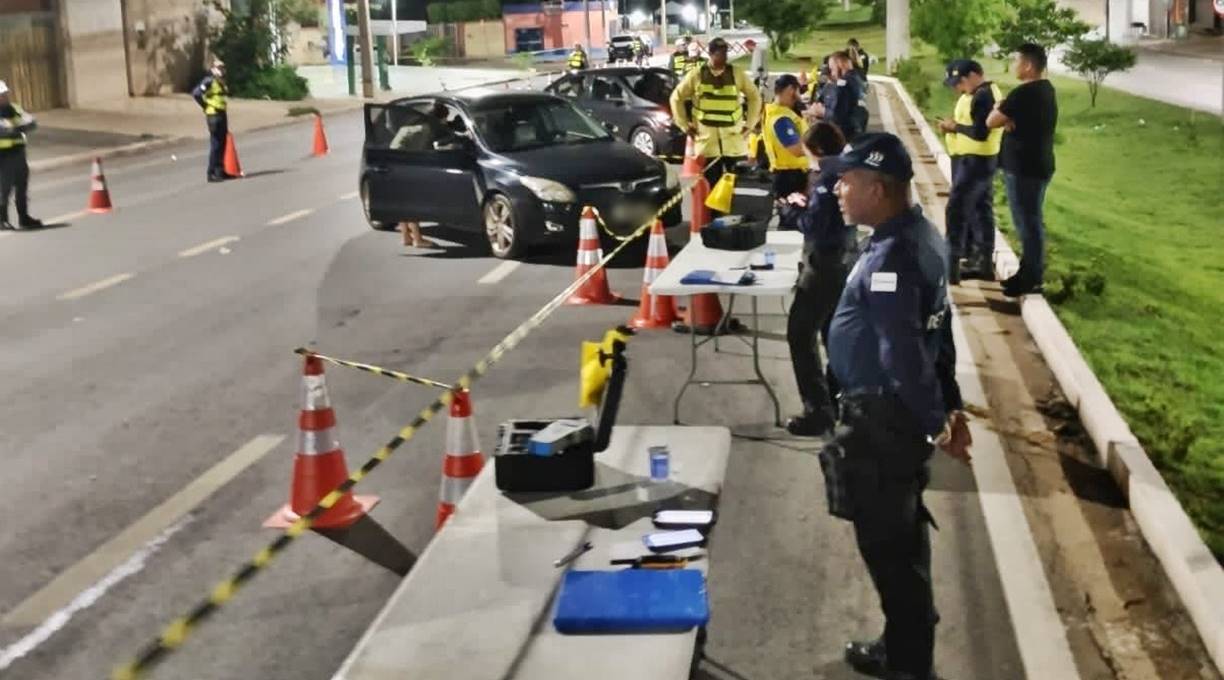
(254, 59)
(915, 81)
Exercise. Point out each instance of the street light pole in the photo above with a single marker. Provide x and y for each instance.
(663, 21)
(367, 63)
(586, 14)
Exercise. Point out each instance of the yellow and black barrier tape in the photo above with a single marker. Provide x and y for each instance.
(177, 631)
(376, 370)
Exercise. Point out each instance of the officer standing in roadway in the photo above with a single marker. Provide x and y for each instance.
(890, 347)
(677, 61)
(211, 95)
(974, 149)
(14, 169)
(714, 90)
(577, 59)
(783, 135)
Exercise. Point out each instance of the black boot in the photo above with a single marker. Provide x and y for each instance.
(869, 658)
(28, 222)
(979, 268)
(809, 425)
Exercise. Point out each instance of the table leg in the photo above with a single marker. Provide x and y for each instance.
(692, 371)
(756, 362)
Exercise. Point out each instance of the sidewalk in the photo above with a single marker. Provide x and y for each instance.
(1195, 82)
(406, 81)
(1198, 46)
(135, 124)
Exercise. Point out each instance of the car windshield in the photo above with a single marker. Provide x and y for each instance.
(526, 125)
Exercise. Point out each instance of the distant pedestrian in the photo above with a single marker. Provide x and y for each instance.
(861, 57)
(677, 61)
(827, 242)
(639, 50)
(890, 348)
(758, 63)
(212, 94)
(974, 150)
(14, 169)
(842, 98)
(695, 61)
(1030, 116)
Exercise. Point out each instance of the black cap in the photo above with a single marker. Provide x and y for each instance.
(784, 81)
(959, 68)
(716, 45)
(876, 151)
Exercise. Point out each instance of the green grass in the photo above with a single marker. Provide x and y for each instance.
(1134, 212)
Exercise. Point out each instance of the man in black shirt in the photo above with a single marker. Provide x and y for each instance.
(1030, 115)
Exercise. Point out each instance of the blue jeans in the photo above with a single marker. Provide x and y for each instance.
(970, 211)
(1025, 196)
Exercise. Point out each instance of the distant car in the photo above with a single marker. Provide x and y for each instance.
(633, 99)
(620, 48)
(517, 166)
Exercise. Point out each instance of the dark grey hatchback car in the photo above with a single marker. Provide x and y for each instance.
(516, 166)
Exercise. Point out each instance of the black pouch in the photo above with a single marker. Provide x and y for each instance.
(838, 490)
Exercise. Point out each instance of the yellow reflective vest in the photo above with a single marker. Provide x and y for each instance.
(214, 97)
(678, 64)
(577, 60)
(780, 158)
(18, 118)
(721, 120)
(963, 145)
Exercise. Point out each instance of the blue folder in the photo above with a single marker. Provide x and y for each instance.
(706, 277)
(632, 601)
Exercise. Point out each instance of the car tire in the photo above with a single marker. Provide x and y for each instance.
(501, 228)
(643, 140)
(365, 208)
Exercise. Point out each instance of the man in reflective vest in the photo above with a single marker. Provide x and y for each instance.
(695, 61)
(783, 133)
(719, 121)
(211, 95)
(678, 58)
(14, 170)
(974, 149)
(577, 59)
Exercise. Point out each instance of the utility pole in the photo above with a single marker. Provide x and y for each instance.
(586, 12)
(663, 22)
(367, 59)
(896, 32)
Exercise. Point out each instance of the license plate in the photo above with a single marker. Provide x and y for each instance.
(631, 215)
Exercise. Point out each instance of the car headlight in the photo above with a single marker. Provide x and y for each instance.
(660, 118)
(673, 178)
(548, 190)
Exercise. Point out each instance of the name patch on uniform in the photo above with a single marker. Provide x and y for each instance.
(841, 82)
(821, 190)
(884, 282)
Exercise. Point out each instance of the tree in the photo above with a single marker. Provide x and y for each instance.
(1038, 21)
(251, 45)
(1094, 59)
(783, 20)
(958, 29)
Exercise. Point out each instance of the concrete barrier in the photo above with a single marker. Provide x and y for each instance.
(1190, 566)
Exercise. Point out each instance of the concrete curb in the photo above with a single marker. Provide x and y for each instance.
(1190, 566)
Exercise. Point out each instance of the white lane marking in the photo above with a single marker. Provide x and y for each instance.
(1041, 636)
(297, 214)
(205, 247)
(68, 217)
(349, 195)
(95, 286)
(499, 272)
(86, 598)
(60, 592)
(5, 234)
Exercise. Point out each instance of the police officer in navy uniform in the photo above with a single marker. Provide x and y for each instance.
(14, 169)
(842, 97)
(211, 94)
(890, 348)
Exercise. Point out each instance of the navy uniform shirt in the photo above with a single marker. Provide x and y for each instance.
(841, 99)
(892, 328)
(821, 221)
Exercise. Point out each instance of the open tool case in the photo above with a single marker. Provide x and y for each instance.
(571, 469)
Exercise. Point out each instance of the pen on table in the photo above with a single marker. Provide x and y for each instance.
(573, 554)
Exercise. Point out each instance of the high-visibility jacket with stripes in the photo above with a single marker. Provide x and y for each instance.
(780, 158)
(717, 103)
(679, 64)
(577, 60)
(18, 119)
(960, 144)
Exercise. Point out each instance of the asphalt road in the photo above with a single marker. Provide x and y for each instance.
(142, 348)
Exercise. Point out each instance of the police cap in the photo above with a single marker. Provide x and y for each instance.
(876, 151)
(960, 68)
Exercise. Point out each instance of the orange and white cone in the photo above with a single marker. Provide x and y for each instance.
(320, 138)
(462, 460)
(693, 164)
(595, 291)
(319, 466)
(654, 311)
(230, 162)
(99, 195)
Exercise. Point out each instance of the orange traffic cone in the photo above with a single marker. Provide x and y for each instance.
(693, 164)
(700, 213)
(319, 465)
(232, 166)
(320, 138)
(655, 311)
(99, 195)
(462, 461)
(704, 310)
(595, 291)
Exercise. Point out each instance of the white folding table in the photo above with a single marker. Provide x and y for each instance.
(779, 281)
